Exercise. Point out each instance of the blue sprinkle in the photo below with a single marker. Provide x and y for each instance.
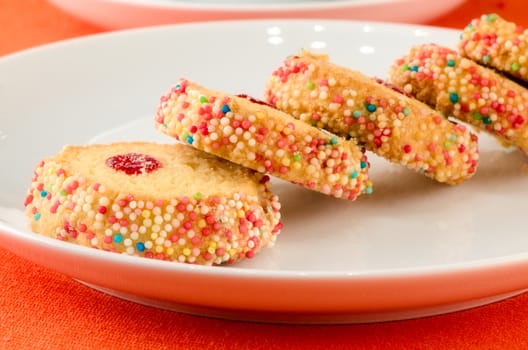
(36, 216)
(140, 247)
(190, 140)
(178, 86)
(363, 164)
(371, 108)
(453, 97)
(226, 109)
(357, 114)
(353, 175)
(414, 68)
(118, 238)
(369, 190)
(43, 193)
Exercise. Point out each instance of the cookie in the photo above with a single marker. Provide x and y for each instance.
(168, 202)
(495, 42)
(255, 135)
(466, 91)
(379, 116)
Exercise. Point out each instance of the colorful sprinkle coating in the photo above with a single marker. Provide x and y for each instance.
(257, 136)
(492, 41)
(466, 91)
(380, 116)
(111, 210)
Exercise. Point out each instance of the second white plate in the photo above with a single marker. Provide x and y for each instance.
(118, 14)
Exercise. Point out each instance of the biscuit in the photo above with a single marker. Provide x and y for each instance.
(168, 202)
(381, 117)
(255, 135)
(466, 91)
(494, 42)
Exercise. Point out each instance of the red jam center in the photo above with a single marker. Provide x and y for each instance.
(391, 86)
(133, 163)
(254, 100)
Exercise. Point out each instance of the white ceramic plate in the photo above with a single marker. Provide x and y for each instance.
(134, 13)
(412, 248)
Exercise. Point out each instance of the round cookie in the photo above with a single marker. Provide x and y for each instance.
(381, 117)
(466, 91)
(494, 42)
(252, 133)
(168, 202)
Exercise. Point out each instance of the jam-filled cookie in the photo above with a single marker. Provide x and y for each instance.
(168, 202)
(256, 135)
(495, 42)
(466, 91)
(379, 116)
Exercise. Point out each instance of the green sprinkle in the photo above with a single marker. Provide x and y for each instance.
(447, 144)
(477, 116)
(333, 141)
(485, 58)
(310, 85)
(486, 120)
(405, 111)
(198, 196)
(63, 192)
(353, 174)
(369, 190)
(297, 157)
(357, 114)
(453, 137)
(450, 62)
(492, 17)
(203, 99)
(405, 67)
(36, 216)
(515, 66)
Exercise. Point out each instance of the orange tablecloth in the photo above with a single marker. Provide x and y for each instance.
(41, 309)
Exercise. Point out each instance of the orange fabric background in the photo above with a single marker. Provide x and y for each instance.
(41, 309)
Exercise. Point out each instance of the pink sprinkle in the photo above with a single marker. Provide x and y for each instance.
(246, 124)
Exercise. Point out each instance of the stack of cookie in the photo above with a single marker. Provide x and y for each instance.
(383, 118)
(206, 199)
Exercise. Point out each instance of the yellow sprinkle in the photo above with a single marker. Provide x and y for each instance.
(145, 214)
(170, 251)
(186, 251)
